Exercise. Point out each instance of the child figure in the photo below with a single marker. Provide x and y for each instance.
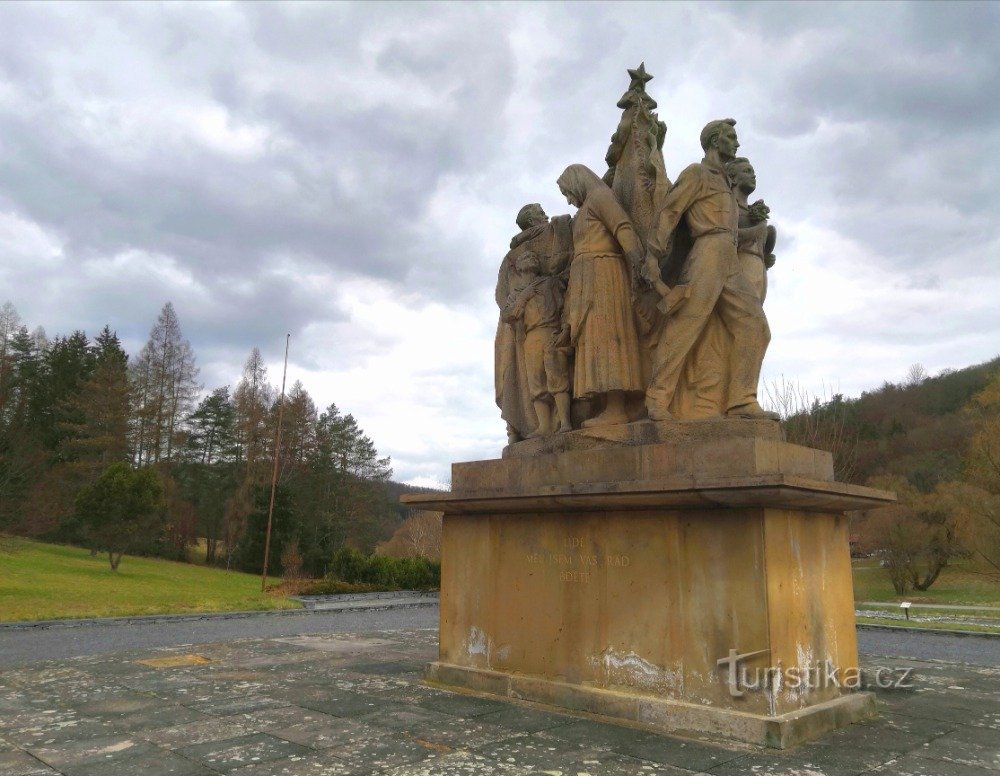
(534, 307)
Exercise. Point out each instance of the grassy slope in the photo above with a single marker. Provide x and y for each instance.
(46, 581)
(958, 584)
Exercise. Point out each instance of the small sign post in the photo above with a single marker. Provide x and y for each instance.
(905, 606)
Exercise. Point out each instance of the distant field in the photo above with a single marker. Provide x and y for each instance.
(48, 581)
(958, 584)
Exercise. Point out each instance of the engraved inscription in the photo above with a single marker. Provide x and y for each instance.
(574, 576)
(575, 565)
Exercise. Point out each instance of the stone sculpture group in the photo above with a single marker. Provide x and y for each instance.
(648, 303)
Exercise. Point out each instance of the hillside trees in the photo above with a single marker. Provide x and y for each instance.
(330, 490)
(982, 468)
(418, 537)
(208, 471)
(917, 537)
(252, 402)
(824, 424)
(72, 410)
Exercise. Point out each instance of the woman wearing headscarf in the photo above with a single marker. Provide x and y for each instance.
(599, 310)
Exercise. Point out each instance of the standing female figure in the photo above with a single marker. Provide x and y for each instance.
(599, 311)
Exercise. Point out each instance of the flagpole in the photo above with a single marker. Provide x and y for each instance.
(274, 472)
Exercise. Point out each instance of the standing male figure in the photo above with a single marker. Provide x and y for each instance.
(702, 195)
(551, 242)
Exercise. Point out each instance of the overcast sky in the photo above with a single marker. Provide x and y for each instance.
(350, 174)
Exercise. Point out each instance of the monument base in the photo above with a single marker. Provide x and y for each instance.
(684, 577)
(661, 715)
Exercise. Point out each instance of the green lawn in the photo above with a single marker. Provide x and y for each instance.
(49, 581)
(959, 583)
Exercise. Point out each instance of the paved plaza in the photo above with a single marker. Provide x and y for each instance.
(353, 703)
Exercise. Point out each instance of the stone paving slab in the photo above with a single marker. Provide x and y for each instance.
(353, 704)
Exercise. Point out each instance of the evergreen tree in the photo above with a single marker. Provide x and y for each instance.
(121, 510)
(208, 475)
(298, 433)
(22, 456)
(249, 556)
(96, 429)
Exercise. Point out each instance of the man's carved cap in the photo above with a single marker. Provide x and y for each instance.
(712, 129)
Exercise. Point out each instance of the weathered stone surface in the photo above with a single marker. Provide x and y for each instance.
(904, 741)
(618, 581)
(228, 755)
(21, 764)
(647, 432)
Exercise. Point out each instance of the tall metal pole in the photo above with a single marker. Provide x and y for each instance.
(274, 472)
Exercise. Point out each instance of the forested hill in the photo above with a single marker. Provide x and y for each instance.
(395, 489)
(919, 429)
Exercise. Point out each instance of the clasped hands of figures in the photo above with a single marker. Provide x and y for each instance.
(646, 270)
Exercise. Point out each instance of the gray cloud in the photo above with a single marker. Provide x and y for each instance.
(250, 162)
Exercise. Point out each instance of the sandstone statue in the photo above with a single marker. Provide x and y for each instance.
(648, 303)
(599, 310)
(756, 238)
(702, 391)
(531, 373)
(702, 196)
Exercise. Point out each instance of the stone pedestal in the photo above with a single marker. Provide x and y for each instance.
(654, 573)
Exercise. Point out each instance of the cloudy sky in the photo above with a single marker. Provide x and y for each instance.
(349, 173)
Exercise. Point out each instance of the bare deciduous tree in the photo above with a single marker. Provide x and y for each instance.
(819, 422)
(418, 536)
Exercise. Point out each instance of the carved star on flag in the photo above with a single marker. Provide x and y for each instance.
(639, 77)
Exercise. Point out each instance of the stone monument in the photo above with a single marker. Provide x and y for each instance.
(649, 548)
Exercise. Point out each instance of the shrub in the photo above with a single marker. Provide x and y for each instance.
(386, 573)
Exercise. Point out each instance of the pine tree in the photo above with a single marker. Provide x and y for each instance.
(209, 475)
(22, 458)
(96, 433)
(298, 433)
(211, 430)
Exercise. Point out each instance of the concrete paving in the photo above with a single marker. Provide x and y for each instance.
(353, 703)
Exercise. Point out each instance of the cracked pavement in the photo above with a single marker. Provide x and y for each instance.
(353, 703)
